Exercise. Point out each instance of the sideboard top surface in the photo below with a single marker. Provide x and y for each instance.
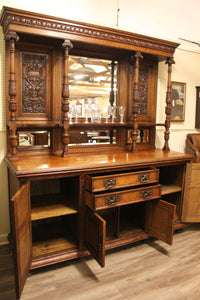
(78, 163)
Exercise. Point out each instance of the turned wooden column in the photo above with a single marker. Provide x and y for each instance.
(112, 95)
(111, 99)
(67, 45)
(134, 133)
(12, 38)
(170, 61)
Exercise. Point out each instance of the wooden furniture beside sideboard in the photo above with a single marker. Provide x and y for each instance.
(71, 197)
(193, 146)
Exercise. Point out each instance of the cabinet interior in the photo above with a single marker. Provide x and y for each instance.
(172, 180)
(124, 221)
(54, 215)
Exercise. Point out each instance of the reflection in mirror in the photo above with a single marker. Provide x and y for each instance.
(143, 136)
(92, 83)
(89, 137)
(34, 139)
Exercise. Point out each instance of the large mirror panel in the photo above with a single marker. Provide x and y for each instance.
(92, 85)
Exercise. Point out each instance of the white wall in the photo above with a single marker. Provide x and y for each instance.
(163, 19)
(168, 19)
(186, 69)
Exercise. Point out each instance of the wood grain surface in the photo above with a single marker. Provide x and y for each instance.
(41, 165)
(143, 271)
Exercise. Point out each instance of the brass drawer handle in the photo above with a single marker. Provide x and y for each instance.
(146, 194)
(112, 200)
(109, 182)
(144, 178)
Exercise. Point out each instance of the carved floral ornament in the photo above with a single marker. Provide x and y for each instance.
(34, 83)
(84, 30)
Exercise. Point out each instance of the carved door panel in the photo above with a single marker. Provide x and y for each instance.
(191, 202)
(160, 218)
(147, 78)
(34, 83)
(21, 229)
(95, 236)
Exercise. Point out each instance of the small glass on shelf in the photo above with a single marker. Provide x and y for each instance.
(112, 110)
(121, 110)
(106, 113)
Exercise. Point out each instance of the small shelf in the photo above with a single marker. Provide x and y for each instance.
(169, 189)
(127, 228)
(53, 235)
(33, 124)
(103, 124)
(52, 245)
(44, 208)
(81, 124)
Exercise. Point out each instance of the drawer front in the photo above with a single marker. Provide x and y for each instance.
(102, 201)
(116, 181)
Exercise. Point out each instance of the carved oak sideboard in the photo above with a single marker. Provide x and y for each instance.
(82, 181)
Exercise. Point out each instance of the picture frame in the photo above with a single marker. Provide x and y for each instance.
(178, 101)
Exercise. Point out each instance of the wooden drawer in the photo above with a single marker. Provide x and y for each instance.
(115, 181)
(119, 198)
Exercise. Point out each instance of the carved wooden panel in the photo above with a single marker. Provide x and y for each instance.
(33, 83)
(143, 91)
(147, 89)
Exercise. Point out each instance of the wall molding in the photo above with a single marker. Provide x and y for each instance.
(3, 239)
(180, 130)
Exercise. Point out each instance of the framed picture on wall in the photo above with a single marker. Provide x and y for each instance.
(178, 101)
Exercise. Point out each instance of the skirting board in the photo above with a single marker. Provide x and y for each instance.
(3, 239)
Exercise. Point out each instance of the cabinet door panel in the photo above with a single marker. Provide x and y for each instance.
(34, 82)
(95, 236)
(160, 220)
(21, 230)
(191, 202)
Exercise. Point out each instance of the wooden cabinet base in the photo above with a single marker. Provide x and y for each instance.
(53, 206)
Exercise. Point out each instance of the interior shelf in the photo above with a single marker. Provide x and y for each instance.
(53, 245)
(54, 235)
(43, 208)
(127, 228)
(169, 189)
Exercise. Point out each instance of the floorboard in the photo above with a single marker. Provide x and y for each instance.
(148, 270)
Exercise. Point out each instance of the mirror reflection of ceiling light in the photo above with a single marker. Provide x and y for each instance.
(97, 69)
(80, 76)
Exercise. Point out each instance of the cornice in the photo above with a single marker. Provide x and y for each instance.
(34, 23)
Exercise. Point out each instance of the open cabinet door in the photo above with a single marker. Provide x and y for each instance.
(160, 218)
(191, 201)
(21, 229)
(95, 236)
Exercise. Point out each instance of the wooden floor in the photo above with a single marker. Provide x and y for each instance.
(144, 271)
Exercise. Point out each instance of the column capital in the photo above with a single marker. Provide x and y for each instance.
(12, 35)
(170, 61)
(67, 44)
